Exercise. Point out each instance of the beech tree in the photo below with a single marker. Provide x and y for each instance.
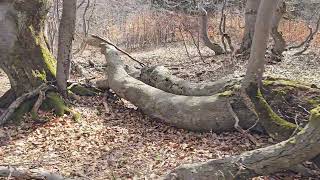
(66, 33)
(27, 61)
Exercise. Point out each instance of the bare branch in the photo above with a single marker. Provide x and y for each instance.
(119, 49)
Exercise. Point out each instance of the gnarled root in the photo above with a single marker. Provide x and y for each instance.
(282, 156)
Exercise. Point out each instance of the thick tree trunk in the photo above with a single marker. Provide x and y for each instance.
(204, 34)
(198, 113)
(66, 33)
(24, 55)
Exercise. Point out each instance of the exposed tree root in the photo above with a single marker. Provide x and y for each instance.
(7, 98)
(16, 104)
(276, 158)
(199, 113)
(11, 172)
(41, 99)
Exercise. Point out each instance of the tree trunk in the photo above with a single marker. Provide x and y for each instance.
(197, 113)
(24, 55)
(205, 37)
(251, 10)
(279, 42)
(66, 33)
(263, 24)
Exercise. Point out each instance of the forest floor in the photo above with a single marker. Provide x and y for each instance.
(114, 140)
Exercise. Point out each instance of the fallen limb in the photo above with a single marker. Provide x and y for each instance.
(198, 113)
(161, 78)
(119, 49)
(276, 158)
(7, 171)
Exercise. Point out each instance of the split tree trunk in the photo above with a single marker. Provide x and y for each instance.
(279, 42)
(250, 21)
(204, 33)
(251, 10)
(24, 55)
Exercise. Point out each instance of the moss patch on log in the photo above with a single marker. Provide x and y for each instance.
(83, 91)
(56, 103)
(277, 127)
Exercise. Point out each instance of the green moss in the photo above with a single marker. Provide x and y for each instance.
(315, 115)
(47, 56)
(82, 91)
(226, 93)
(41, 75)
(273, 116)
(56, 103)
(314, 102)
(49, 60)
(269, 81)
(276, 127)
(76, 116)
(293, 141)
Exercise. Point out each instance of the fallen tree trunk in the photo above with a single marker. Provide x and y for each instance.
(264, 161)
(198, 113)
(161, 78)
(10, 172)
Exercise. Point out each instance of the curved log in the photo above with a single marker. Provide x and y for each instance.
(9, 173)
(198, 113)
(276, 158)
(160, 77)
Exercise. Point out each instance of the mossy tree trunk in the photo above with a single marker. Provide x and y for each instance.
(25, 57)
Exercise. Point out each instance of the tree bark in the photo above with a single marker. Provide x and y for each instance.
(251, 10)
(263, 24)
(205, 37)
(279, 42)
(24, 55)
(161, 78)
(197, 113)
(66, 33)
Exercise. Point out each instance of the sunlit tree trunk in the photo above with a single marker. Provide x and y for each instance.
(24, 55)
(66, 33)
